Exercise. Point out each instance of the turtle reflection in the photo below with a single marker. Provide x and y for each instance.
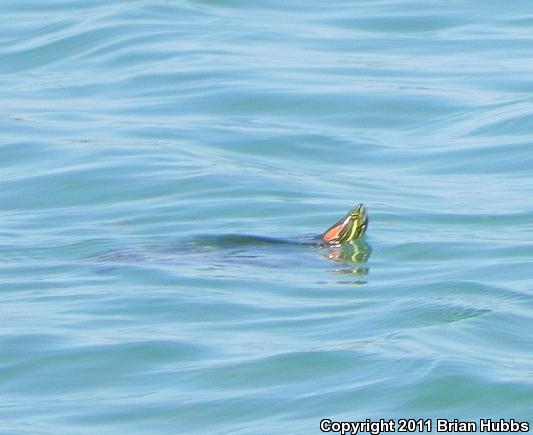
(353, 255)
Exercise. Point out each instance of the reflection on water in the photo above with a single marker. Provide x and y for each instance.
(351, 254)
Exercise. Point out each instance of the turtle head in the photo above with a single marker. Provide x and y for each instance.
(350, 227)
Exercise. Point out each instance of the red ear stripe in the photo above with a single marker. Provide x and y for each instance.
(332, 234)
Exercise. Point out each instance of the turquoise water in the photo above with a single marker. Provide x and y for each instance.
(144, 143)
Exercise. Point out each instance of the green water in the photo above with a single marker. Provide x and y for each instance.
(145, 145)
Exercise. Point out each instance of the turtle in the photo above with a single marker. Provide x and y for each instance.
(351, 227)
(343, 239)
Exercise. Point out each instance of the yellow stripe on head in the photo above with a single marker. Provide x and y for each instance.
(350, 227)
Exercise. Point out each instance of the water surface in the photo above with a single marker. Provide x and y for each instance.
(138, 138)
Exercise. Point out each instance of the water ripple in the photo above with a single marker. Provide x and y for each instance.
(142, 143)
